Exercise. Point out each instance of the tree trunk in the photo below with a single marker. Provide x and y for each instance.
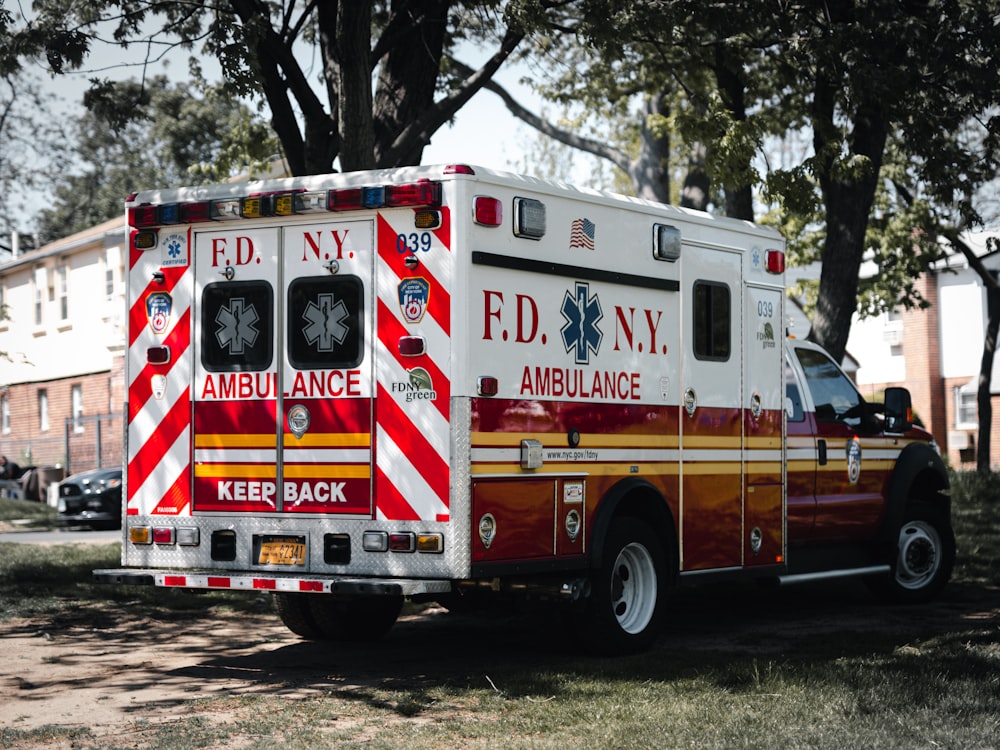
(352, 56)
(650, 172)
(848, 185)
(729, 75)
(409, 72)
(983, 399)
(694, 193)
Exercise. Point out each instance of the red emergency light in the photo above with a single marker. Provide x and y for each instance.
(425, 194)
(488, 211)
(774, 261)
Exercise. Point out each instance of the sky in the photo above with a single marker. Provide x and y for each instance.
(483, 133)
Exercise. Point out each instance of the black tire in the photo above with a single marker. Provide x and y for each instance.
(355, 619)
(924, 557)
(296, 615)
(624, 610)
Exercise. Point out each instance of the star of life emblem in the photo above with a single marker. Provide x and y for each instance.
(582, 313)
(325, 322)
(237, 325)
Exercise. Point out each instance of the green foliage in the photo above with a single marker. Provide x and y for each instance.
(163, 135)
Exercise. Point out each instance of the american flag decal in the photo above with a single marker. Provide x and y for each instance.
(581, 234)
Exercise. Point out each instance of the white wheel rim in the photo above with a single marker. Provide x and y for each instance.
(919, 555)
(633, 588)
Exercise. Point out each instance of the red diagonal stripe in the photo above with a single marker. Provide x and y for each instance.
(137, 320)
(140, 390)
(391, 502)
(176, 500)
(390, 330)
(169, 429)
(439, 300)
(409, 438)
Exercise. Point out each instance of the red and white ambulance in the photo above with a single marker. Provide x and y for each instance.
(435, 382)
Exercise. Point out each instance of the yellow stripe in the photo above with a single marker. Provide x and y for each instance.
(255, 471)
(330, 440)
(298, 471)
(558, 440)
(328, 471)
(239, 440)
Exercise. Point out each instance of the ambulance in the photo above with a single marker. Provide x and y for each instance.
(449, 383)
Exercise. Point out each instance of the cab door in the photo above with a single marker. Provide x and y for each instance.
(282, 401)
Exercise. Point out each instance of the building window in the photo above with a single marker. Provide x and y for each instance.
(5, 413)
(76, 399)
(43, 409)
(112, 263)
(965, 405)
(40, 285)
(63, 277)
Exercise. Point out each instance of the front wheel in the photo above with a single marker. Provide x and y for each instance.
(623, 612)
(925, 555)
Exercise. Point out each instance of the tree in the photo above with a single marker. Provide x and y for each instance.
(861, 77)
(34, 149)
(180, 139)
(375, 102)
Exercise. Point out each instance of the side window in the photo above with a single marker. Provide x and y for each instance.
(793, 397)
(832, 392)
(325, 322)
(236, 326)
(712, 321)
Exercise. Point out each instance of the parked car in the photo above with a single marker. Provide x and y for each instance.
(93, 498)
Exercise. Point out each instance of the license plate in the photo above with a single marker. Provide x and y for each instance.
(282, 550)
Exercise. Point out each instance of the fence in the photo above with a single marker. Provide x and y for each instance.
(93, 442)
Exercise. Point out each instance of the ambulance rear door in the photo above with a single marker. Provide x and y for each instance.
(283, 370)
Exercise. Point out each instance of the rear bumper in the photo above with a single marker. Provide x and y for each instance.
(287, 583)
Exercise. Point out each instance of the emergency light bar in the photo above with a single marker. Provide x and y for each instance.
(420, 194)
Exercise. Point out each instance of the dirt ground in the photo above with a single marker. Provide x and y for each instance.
(108, 668)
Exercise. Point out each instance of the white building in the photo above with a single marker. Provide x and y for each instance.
(62, 380)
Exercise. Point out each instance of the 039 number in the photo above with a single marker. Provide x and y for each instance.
(413, 242)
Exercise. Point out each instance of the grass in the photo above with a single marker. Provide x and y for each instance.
(908, 685)
(26, 512)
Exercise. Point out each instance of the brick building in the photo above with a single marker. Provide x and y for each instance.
(936, 353)
(62, 379)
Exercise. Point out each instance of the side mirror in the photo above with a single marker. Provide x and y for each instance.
(898, 410)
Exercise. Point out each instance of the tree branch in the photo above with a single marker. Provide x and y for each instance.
(589, 145)
(418, 133)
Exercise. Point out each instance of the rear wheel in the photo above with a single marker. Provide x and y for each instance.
(355, 619)
(295, 614)
(316, 617)
(623, 612)
(925, 555)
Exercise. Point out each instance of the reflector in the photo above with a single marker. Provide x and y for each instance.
(412, 346)
(487, 385)
(401, 541)
(163, 535)
(158, 355)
